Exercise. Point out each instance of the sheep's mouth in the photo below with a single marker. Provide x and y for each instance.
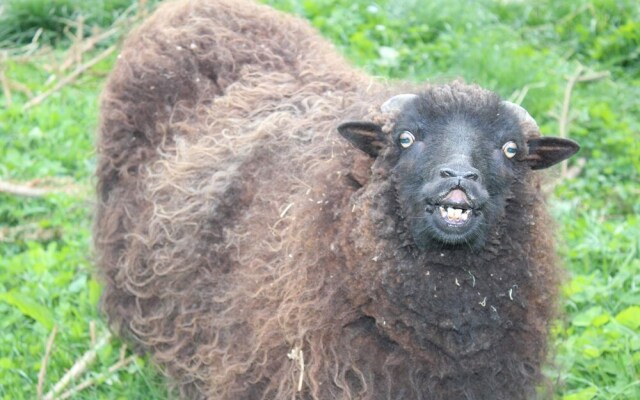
(454, 216)
(448, 215)
(455, 208)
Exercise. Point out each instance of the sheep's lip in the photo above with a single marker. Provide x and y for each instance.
(456, 198)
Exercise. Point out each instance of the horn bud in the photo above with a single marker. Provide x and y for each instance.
(520, 112)
(397, 103)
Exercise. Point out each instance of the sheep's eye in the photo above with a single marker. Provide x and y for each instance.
(406, 139)
(510, 149)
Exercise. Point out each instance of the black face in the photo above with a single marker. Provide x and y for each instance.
(454, 171)
(455, 161)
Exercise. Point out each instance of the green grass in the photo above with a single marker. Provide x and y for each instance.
(45, 266)
(21, 19)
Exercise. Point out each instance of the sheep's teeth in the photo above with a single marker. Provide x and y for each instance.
(454, 214)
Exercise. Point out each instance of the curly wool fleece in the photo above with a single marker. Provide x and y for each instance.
(256, 254)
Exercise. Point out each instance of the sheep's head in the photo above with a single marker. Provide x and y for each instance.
(455, 152)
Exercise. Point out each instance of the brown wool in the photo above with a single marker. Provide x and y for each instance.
(253, 252)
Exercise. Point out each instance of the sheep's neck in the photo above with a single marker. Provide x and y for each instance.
(459, 301)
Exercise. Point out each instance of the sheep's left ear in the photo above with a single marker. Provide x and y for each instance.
(366, 136)
(546, 151)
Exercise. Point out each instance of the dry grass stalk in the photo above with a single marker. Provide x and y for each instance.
(28, 232)
(142, 8)
(565, 119)
(6, 89)
(519, 95)
(20, 87)
(69, 78)
(78, 49)
(81, 45)
(123, 352)
(296, 354)
(564, 115)
(45, 361)
(23, 53)
(78, 368)
(96, 379)
(74, 54)
(92, 332)
(22, 190)
(38, 187)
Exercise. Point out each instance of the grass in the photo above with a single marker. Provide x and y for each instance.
(20, 20)
(522, 50)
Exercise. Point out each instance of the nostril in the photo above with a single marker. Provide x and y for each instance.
(447, 173)
(471, 176)
(452, 173)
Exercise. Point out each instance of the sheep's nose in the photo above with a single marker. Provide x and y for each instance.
(466, 173)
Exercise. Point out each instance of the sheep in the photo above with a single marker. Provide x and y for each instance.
(275, 224)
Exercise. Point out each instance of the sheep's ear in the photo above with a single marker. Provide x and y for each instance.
(366, 136)
(546, 151)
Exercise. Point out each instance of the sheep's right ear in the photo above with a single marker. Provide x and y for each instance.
(366, 136)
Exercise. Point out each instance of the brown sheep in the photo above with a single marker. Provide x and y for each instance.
(256, 254)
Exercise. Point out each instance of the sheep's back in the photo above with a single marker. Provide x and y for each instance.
(217, 132)
(183, 58)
